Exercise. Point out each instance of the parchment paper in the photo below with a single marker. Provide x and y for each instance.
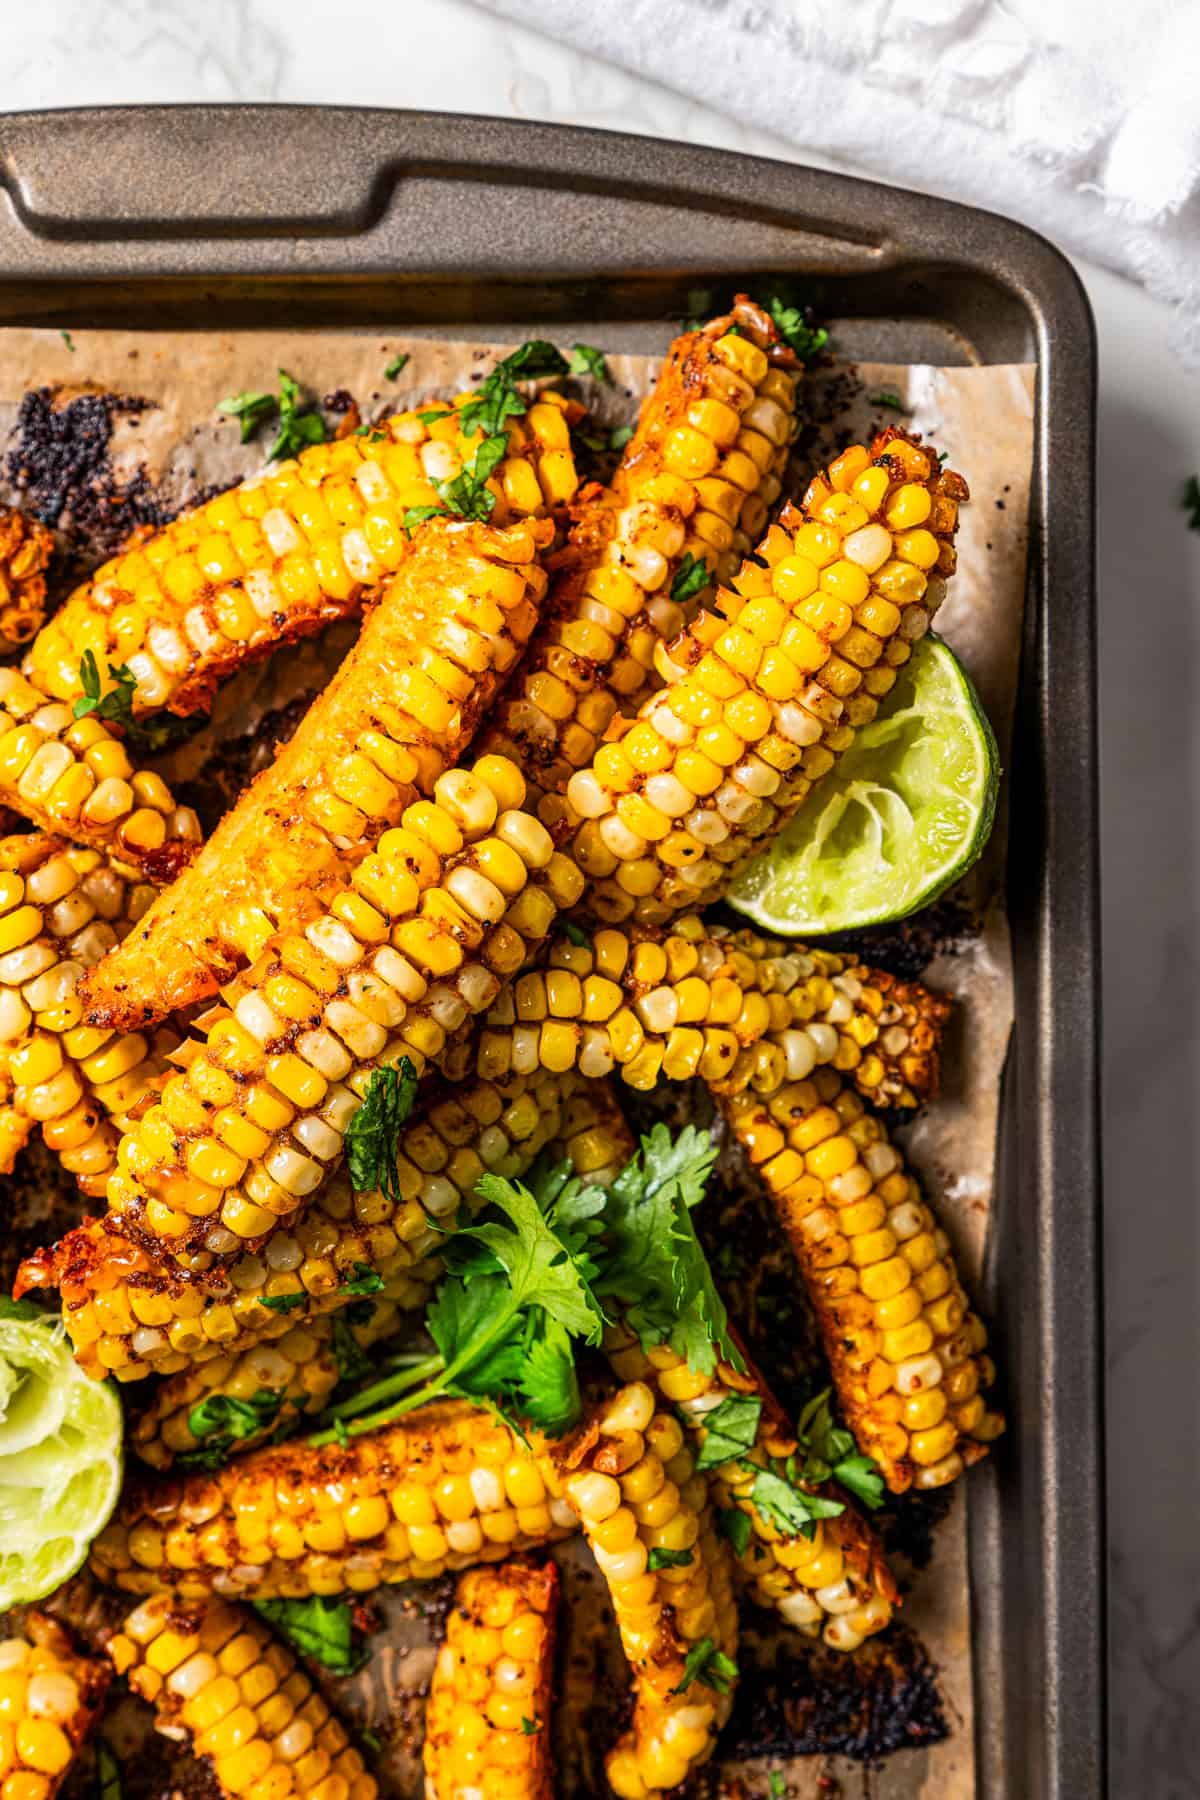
(984, 418)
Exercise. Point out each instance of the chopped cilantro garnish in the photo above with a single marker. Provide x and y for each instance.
(587, 360)
(283, 1303)
(776, 1786)
(888, 399)
(1190, 501)
(68, 340)
(736, 1527)
(363, 1279)
(691, 577)
(296, 426)
(668, 1559)
(220, 1421)
(372, 1132)
(467, 496)
(350, 1360)
(619, 436)
(575, 934)
(826, 1452)
(806, 340)
(318, 1627)
(400, 361)
(372, 1740)
(250, 410)
(530, 1726)
(786, 1505)
(498, 398)
(704, 1662)
(729, 1430)
(117, 704)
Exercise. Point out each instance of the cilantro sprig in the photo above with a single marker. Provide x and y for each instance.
(691, 577)
(888, 399)
(784, 1490)
(400, 361)
(705, 1663)
(115, 704)
(299, 425)
(467, 495)
(221, 1420)
(498, 398)
(587, 360)
(793, 326)
(372, 1133)
(318, 1627)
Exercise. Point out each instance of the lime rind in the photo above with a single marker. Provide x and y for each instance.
(901, 818)
(60, 1459)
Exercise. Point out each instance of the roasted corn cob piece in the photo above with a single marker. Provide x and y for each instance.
(445, 1488)
(737, 1009)
(283, 554)
(73, 776)
(908, 1354)
(690, 495)
(400, 710)
(131, 1315)
(423, 935)
(765, 690)
(218, 1679)
(230, 1404)
(25, 548)
(61, 909)
(49, 1700)
(487, 1721)
(835, 1584)
(634, 1484)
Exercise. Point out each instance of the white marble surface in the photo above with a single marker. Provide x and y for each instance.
(443, 53)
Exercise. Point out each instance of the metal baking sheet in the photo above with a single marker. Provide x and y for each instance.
(295, 216)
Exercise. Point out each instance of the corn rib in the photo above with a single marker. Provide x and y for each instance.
(908, 1354)
(26, 546)
(217, 1678)
(732, 1007)
(50, 1697)
(132, 1315)
(691, 493)
(487, 1722)
(445, 1488)
(283, 554)
(635, 1487)
(764, 691)
(73, 777)
(400, 710)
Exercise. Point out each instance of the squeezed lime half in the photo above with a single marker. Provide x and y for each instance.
(903, 815)
(60, 1458)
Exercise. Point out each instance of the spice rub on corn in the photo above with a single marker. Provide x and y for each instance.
(402, 708)
(284, 554)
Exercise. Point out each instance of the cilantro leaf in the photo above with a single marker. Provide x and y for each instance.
(704, 1662)
(548, 1384)
(318, 1627)
(806, 340)
(691, 577)
(498, 398)
(587, 360)
(787, 1506)
(776, 1786)
(350, 1359)
(534, 1259)
(372, 1132)
(117, 704)
(29, 1310)
(67, 339)
(283, 1303)
(363, 1280)
(1190, 501)
(651, 1261)
(296, 428)
(668, 1559)
(826, 1451)
(220, 1421)
(735, 1526)
(575, 934)
(530, 1726)
(888, 399)
(417, 515)
(729, 1430)
(400, 361)
(250, 409)
(372, 1740)
(619, 436)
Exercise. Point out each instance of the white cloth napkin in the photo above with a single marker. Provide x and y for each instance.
(1080, 117)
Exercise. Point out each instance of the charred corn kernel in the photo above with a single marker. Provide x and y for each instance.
(224, 1532)
(790, 1010)
(367, 757)
(49, 774)
(227, 582)
(62, 907)
(183, 1321)
(809, 639)
(674, 505)
(865, 1241)
(836, 1585)
(50, 1697)
(445, 963)
(217, 1677)
(661, 1615)
(487, 1724)
(25, 549)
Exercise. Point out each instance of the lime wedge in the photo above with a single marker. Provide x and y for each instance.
(903, 815)
(60, 1458)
